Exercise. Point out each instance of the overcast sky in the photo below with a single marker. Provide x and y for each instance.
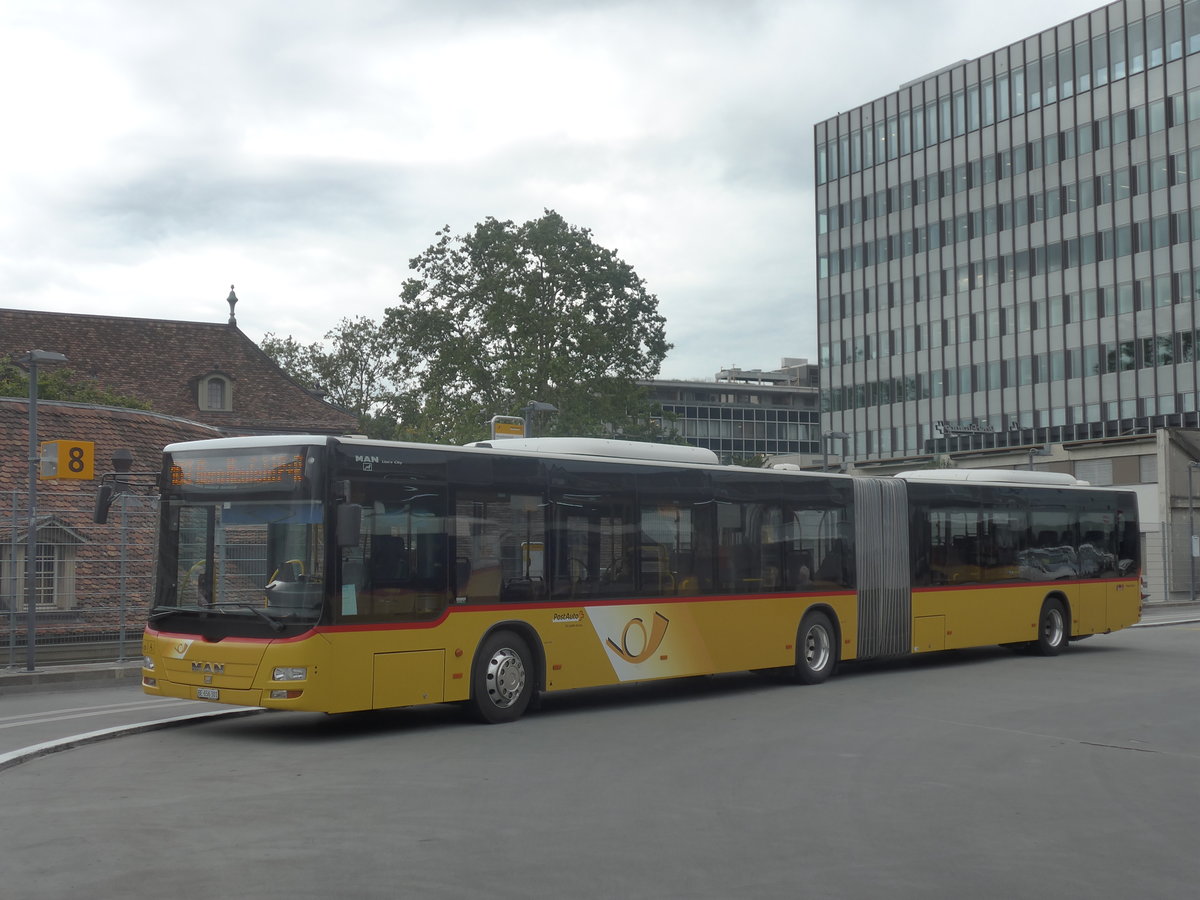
(153, 153)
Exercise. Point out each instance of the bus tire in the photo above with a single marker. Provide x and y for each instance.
(502, 679)
(816, 648)
(1053, 631)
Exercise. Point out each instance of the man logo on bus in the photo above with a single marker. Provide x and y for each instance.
(643, 649)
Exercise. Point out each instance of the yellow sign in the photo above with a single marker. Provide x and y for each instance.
(67, 459)
(508, 427)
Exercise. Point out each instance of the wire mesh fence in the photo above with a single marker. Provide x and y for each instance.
(1169, 568)
(92, 584)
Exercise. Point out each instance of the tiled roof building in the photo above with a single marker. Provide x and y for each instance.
(109, 428)
(93, 582)
(210, 373)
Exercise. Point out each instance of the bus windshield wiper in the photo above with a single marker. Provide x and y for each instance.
(235, 604)
(162, 611)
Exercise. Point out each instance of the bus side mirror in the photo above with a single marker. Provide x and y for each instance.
(105, 495)
(349, 524)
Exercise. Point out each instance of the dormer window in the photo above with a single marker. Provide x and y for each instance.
(215, 393)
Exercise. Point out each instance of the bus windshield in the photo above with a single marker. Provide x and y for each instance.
(240, 559)
(256, 560)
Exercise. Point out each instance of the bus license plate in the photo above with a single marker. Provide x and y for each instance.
(207, 694)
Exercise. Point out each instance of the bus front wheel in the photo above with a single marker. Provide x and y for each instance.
(502, 682)
(816, 648)
(1053, 633)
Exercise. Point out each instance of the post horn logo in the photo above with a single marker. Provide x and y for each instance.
(649, 642)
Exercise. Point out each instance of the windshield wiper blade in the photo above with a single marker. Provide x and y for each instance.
(218, 608)
(163, 611)
(270, 620)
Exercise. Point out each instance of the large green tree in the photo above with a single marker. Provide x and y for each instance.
(355, 366)
(508, 314)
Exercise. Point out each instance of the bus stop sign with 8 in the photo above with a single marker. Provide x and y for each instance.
(67, 459)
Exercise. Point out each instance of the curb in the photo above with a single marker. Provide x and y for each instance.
(36, 751)
(1176, 613)
(1157, 623)
(14, 681)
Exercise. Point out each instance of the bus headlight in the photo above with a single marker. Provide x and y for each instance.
(290, 673)
(148, 663)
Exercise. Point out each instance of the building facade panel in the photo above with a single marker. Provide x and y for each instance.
(1007, 245)
(745, 413)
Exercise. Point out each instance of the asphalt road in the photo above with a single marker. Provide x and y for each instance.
(37, 722)
(977, 773)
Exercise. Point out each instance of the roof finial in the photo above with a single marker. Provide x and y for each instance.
(232, 301)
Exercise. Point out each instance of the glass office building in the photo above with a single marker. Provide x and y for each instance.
(1007, 248)
(745, 412)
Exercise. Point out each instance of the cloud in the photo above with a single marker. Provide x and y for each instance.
(305, 151)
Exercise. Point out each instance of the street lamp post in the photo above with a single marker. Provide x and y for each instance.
(1192, 466)
(33, 358)
(122, 461)
(1038, 451)
(825, 439)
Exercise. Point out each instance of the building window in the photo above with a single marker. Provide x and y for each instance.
(54, 570)
(215, 393)
(1094, 471)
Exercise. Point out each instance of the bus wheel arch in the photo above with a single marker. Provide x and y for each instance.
(818, 641)
(1053, 625)
(507, 673)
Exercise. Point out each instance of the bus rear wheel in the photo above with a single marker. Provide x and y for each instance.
(1053, 633)
(502, 680)
(816, 648)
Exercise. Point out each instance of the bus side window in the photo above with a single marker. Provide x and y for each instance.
(389, 562)
(666, 558)
(1128, 539)
(1004, 519)
(799, 570)
(833, 564)
(594, 541)
(398, 571)
(919, 541)
(808, 544)
(1099, 528)
(773, 550)
(835, 550)
(499, 547)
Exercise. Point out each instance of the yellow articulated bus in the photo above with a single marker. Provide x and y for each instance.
(338, 574)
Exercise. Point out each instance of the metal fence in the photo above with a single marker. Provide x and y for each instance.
(1170, 570)
(93, 584)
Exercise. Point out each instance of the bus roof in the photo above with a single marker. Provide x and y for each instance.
(573, 446)
(250, 440)
(561, 446)
(995, 476)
